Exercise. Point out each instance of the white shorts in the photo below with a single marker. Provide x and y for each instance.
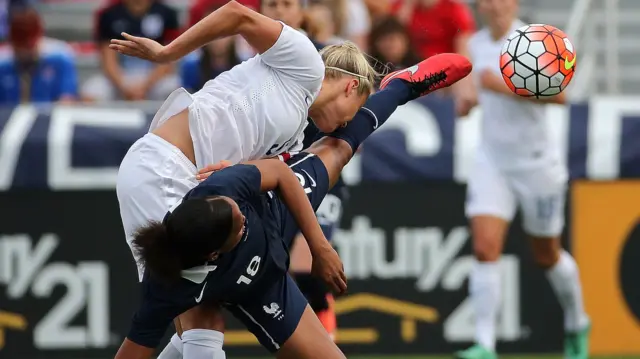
(540, 192)
(153, 177)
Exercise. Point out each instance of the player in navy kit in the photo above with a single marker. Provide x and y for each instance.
(227, 242)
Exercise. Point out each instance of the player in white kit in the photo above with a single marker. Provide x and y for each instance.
(517, 165)
(259, 108)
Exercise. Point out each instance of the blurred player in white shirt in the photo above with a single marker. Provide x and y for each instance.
(517, 165)
(257, 109)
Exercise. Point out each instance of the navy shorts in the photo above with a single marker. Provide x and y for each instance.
(273, 316)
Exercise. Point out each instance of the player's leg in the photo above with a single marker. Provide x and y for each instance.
(310, 341)
(285, 324)
(202, 329)
(318, 168)
(437, 72)
(542, 196)
(490, 206)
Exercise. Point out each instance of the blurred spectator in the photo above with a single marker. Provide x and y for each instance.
(4, 17)
(320, 24)
(350, 20)
(201, 8)
(34, 68)
(356, 23)
(378, 8)
(291, 12)
(212, 60)
(4, 14)
(438, 26)
(390, 45)
(128, 77)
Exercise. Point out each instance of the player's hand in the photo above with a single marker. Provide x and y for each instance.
(140, 47)
(205, 172)
(326, 264)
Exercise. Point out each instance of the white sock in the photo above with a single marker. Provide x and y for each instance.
(484, 289)
(565, 281)
(173, 350)
(202, 344)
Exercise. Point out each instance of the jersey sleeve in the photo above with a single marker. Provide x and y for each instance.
(296, 57)
(240, 182)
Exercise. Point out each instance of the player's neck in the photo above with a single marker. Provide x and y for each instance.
(330, 91)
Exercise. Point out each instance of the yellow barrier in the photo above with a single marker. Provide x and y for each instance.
(12, 321)
(605, 218)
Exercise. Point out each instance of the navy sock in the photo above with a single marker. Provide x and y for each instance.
(375, 112)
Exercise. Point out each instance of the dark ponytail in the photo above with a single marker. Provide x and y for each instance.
(153, 246)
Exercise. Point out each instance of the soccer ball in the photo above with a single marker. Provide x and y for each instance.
(537, 60)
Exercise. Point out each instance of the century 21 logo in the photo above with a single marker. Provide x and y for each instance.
(24, 268)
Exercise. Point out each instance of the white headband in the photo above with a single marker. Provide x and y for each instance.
(346, 72)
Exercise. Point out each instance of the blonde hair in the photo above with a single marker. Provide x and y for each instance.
(347, 59)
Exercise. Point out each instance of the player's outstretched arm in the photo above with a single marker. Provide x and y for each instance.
(260, 32)
(276, 175)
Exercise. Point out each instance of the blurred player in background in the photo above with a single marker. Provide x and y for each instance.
(259, 108)
(517, 164)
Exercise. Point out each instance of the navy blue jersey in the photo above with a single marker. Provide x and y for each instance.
(257, 264)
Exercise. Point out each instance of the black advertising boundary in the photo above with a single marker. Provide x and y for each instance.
(402, 296)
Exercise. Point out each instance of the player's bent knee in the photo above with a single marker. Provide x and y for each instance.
(204, 316)
(488, 237)
(546, 250)
(309, 341)
(486, 248)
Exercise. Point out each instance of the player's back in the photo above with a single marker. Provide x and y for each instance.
(258, 108)
(513, 130)
(267, 111)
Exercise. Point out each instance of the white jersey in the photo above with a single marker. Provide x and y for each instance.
(513, 131)
(258, 108)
